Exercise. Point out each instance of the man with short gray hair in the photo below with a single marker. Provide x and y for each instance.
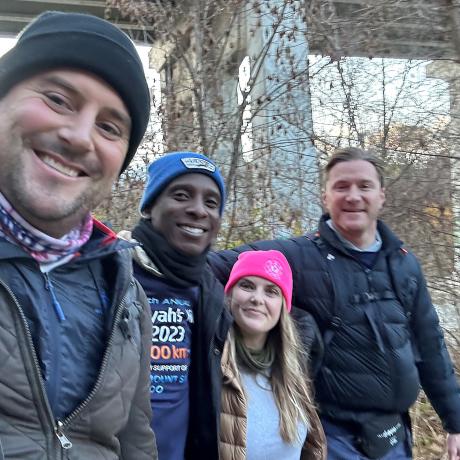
(381, 333)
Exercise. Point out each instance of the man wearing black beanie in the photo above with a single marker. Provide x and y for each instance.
(75, 327)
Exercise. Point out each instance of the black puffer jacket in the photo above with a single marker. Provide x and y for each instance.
(311, 338)
(380, 351)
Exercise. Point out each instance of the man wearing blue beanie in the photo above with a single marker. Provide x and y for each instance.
(75, 326)
(182, 209)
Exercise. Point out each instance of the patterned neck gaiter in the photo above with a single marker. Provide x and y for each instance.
(42, 247)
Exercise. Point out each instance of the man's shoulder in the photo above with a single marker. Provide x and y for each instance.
(288, 246)
(208, 277)
(105, 243)
(395, 247)
(211, 286)
(403, 261)
(293, 248)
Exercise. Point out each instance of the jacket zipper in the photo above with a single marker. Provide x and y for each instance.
(66, 422)
(37, 370)
(63, 439)
(55, 332)
(59, 425)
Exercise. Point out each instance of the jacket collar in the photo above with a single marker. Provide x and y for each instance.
(102, 242)
(389, 240)
(230, 374)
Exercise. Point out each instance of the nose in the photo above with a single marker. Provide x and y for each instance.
(257, 297)
(197, 207)
(78, 132)
(353, 194)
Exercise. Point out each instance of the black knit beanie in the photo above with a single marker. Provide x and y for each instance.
(73, 40)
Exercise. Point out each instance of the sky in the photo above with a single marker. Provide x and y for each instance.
(402, 89)
(6, 44)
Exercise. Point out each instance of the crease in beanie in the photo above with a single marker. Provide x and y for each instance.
(55, 40)
(271, 265)
(172, 165)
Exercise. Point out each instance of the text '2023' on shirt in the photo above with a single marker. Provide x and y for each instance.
(172, 319)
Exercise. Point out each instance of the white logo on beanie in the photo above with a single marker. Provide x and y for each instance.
(198, 163)
(273, 268)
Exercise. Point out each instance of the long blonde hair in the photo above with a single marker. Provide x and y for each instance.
(289, 377)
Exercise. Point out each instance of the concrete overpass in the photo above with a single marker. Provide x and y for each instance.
(423, 29)
(410, 29)
(16, 14)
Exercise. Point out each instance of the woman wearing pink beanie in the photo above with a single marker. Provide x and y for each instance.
(267, 410)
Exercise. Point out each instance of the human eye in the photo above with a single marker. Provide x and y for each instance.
(245, 284)
(58, 101)
(180, 195)
(110, 130)
(273, 291)
(340, 186)
(212, 203)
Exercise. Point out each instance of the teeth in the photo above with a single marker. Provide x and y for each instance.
(59, 166)
(193, 230)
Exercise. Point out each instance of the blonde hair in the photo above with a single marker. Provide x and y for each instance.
(289, 377)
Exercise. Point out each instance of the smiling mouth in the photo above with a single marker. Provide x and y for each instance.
(195, 231)
(58, 166)
(253, 311)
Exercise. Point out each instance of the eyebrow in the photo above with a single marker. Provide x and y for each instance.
(66, 85)
(121, 117)
(273, 285)
(58, 81)
(246, 280)
(189, 187)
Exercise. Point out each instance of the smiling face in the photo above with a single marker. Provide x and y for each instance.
(64, 135)
(256, 305)
(354, 199)
(187, 213)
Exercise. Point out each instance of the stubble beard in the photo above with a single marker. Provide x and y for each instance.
(31, 200)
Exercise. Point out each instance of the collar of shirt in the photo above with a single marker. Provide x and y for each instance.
(373, 247)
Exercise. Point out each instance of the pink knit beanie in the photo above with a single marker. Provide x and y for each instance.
(270, 265)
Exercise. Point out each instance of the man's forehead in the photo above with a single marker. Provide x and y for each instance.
(195, 180)
(76, 82)
(353, 170)
(71, 78)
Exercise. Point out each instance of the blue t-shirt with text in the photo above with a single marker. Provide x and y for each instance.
(172, 318)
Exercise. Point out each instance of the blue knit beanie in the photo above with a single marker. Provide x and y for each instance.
(172, 165)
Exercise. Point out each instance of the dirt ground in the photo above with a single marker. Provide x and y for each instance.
(429, 437)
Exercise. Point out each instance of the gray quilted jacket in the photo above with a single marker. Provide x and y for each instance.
(113, 422)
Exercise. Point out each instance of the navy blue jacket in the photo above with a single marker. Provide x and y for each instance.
(387, 339)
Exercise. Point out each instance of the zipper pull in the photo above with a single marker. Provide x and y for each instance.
(57, 306)
(65, 443)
